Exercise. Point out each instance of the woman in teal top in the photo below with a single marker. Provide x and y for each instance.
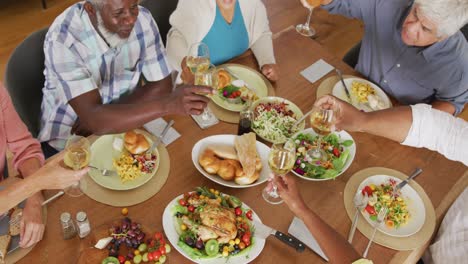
(228, 27)
(227, 40)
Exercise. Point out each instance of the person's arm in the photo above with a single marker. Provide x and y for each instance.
(393, 123)
(444, 106)
(117, 118)
(360, 9)
(335, 247)
(50, 176)
(149, 91)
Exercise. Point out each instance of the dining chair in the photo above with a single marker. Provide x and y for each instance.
(161, 10)
(352, 56)
(24, 79)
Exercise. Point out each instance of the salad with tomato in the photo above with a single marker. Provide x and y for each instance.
(382, 196)
(211, 224)
(336, 150)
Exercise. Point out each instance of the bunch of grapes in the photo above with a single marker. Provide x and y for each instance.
(126, 233)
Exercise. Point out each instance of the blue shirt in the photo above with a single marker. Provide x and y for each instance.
(409, 74)
(78, 60)
(226, 41)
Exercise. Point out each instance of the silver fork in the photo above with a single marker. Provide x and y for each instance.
(360, 201)
(378, 222)
(104, 172)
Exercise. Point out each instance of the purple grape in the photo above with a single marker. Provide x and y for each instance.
(189, 241)
(141, 236)
(199, 244)
(130, 255)
(134, 226)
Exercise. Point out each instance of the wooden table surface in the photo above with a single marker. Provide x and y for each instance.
(294, 53)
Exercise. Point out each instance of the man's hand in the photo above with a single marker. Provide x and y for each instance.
(31, 225)
(186, 75)
(288, 191)
(271, 71)
(187, 100)
(348, 118)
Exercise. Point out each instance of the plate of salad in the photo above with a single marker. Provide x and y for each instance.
(208, 227)
(274, 118)
(406, 212)
(339, 147)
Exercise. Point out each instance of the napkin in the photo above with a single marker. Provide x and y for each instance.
(206, 123)
(300, 231)
(156, 127)
(316, 71)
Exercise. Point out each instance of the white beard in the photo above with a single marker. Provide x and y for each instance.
(112, 39)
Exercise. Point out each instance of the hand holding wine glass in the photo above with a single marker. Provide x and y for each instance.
(322, 122)
(281, 160)
(77, 156)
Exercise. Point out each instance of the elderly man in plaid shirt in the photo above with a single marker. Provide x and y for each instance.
(96, 55)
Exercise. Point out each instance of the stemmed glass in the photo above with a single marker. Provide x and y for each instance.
(321, 121)
(305, 29)
(281, 160)
(198, 57)
(209, 78)
(77, 155)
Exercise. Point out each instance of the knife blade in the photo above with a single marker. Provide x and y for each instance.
(344, 84)
(402, 184)
(264, 231)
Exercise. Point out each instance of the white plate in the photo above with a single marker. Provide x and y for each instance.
(343, 135)
(413, 201)
(200, 146)
(102, 155)
(171, 233)
(338, 91)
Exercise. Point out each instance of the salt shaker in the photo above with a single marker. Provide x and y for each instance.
(84, 227)
(68, 228)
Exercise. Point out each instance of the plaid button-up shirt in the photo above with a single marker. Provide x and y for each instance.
(78, 60)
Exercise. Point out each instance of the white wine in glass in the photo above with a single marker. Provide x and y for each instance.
(281, 160)
(77, 156)
(209, 78)
(198, 58)
(321, 121)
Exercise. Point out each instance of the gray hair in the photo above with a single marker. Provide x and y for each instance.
(448, 15)
(97, 3)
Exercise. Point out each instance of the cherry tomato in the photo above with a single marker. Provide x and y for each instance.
(150, 256)
(367, 190)
(158, 235)
(162, 241)
(336, 152)
(238, 211)
(156, 255)
(246, 239)
(249, 215)
(370, 210)
(121, 259)
(182, 202)
(162, 250)
(191, 208)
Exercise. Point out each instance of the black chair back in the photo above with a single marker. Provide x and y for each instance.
(24, 79)
(161, 11)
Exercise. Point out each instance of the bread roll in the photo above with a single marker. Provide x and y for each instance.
(136, 143)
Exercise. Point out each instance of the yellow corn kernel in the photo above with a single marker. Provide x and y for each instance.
(232, 242)
(225, 253)
(225, 248)
(183, 227)
(217, 192)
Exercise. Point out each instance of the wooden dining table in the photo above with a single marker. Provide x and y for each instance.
(442, 179)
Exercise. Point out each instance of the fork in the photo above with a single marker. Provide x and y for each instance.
(378, 222)
(104, 172)
(360, 201)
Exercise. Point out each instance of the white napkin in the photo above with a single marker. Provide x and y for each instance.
(300, 231)
(156, 127)
(206, 123)
(316, 71)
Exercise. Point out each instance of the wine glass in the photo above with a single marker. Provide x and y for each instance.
(208, 77)
(198, 57)
(77, 155)
(305, 29)
(321, 121)
(281, 160)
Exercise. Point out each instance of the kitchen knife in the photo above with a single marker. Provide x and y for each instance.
(264, 231)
